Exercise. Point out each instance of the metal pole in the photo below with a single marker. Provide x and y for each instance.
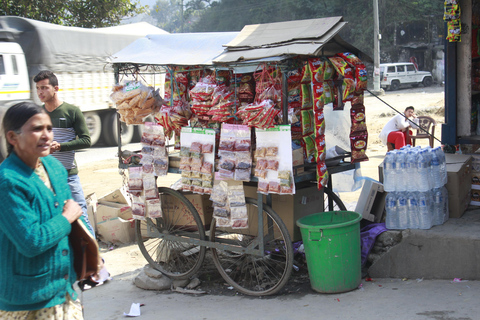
(376, 49)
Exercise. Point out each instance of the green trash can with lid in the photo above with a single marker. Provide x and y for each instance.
(333, 250)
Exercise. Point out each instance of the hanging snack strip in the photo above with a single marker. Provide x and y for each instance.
(229, 208)
(154, 154)
(274, 161)
(143, 191)
(452, 14)
(196, 159)
(234, 151)
(135, 101)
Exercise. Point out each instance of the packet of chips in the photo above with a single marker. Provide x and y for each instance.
(358, 143)
(357, 115)
(329, 71)
(317, 67)
(308, 144)
(317, 93)
(361, 77)
(350, 58)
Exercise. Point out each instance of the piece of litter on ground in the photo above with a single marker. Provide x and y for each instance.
(458, 280)
(134, 310)
(230, 288)
(419, 279)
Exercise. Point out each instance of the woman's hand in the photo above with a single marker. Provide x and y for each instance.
(71, 210)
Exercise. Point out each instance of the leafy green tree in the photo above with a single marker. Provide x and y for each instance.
(178, 15)
(85, 13)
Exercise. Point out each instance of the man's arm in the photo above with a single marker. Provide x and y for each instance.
(83, 136)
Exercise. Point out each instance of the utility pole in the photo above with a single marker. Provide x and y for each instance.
(376, 49)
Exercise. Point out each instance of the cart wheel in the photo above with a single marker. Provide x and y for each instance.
(332, 202)
(177, 259)
(251, 274)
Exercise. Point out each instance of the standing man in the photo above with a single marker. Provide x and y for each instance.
(70, 133)
(397, 130)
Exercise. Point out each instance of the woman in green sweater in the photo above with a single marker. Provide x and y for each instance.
(36, 268)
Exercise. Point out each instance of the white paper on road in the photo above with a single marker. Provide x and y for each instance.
(134, 310)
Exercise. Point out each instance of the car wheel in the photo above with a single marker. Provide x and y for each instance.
(427, 81)
(395, 85)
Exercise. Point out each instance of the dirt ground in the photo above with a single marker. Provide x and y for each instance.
(103, 177)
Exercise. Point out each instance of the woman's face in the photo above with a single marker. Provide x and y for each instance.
(34, 139)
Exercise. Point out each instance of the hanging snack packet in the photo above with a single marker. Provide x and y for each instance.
(308, 144)
(321, 152)
(357, 98)
(317, 68)
(348, 88)
(339, 64)
(306, 96)
(329, 71)
(327, 92)
(319, 123)
(317, 91)
(308, 124)
(357, 115)
(322, 175)
(358, 142)
(350, 58)
(361, 78)
(153, 208)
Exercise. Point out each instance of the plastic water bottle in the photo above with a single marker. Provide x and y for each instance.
(412, 210)
(411, 169)
(442, 164)
(438, 207)
(422, 177)
(391, 220)
(389, 172)
(425, 209)
(445, 204)
(402, 210)
(437, 177)
(401, 175)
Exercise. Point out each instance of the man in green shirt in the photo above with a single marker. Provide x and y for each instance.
(70, 133)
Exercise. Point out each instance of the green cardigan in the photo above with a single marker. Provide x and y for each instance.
(36, 259)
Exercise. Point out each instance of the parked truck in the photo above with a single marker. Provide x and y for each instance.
(78, 56)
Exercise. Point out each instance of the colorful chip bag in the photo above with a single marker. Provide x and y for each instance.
(317, 67)
(317, 93)
(319, 123)
(358, 143)
(308, 144)
(321, 152)
(361, 77)
(322, 175)
(350, 58)
(329, 71)
(308, 124)
(357, 115)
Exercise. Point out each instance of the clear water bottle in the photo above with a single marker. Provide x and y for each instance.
(442, 164)
(438, 207)
(411, 169)
(437, 177)
(412, 210)
(401, 175)
(402, 210)
(425, 209)
(391, 220)
(389, 172)
(422, 176)
(445, 204)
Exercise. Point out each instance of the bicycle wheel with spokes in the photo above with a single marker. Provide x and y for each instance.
(261, 273)
(167, 242)
(331, 201)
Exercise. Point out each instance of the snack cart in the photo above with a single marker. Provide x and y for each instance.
(251, 246)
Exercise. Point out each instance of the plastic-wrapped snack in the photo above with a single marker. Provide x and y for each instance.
(321, 152)
(160, 166)
(238, 212)
(196, 182)
(272, 151)
(223, 222)
(262, 187)
(361, 78)
(151, 193)
(138, 211)
(243, 160)
(284, 174)
(242, 145)
(319, 123)
(146, 159)
(274, 187)
(207, 184)
(226, 174)
(185, 160)
(184, 152)
(272, 165)
(285, 182)
(207, 190)
(196, 175)
(186, 181)
(196, 147)
(261, 173)
(148, 168)
(308, 144)
(147, 150)
(227, 145)
(196, 164)
(154, 208)
(196, 155)
(358, 141)
(207, 167)
(317, 67)
(357, 115)
(219, 194)
(147, 138)
(207, 148)
(286, 190)
(186, 174)
(149, 182)
(198, 189)
(240, 224)
(219, 212)
(260, 152)
(308, 123)
(187, 188)
(159, 151)
(207, 176)
(236, 196)
(135, 184)
(184, 167)
(329, 71)
(227, 163)
(261, 164)
(242, 174)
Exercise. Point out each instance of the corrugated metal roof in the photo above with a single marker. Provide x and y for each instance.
(187, 49)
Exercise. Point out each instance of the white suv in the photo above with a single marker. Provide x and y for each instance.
(393, 75)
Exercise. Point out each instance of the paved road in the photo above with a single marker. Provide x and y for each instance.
(382, 299)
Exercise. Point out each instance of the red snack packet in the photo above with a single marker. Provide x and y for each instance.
(322, 175)
(357, 98)
(321, 152)
(339, 64)
(358, 143)
(361, 77)
(350, 58)
(317, 93)
(317, 67)
(329, 72)
(319, 123)
(348, 88)
(357, 115)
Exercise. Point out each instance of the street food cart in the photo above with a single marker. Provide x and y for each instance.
(234, 103)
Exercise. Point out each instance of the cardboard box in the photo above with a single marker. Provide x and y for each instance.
(119, 196)
(459, 177)
(117, 230)
(92, 202)
(475, 195)
(297, 160)
(201, 202)
(371, 202)
(290, 208)
(108, 210)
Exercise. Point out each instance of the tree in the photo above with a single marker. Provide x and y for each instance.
(169, 15)
(86, 13)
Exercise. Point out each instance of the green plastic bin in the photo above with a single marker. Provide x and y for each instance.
(332, 248)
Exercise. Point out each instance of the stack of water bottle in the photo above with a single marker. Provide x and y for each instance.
(415, 179)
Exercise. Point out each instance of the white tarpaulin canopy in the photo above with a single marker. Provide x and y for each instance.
(183, 49)
(312, 37)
